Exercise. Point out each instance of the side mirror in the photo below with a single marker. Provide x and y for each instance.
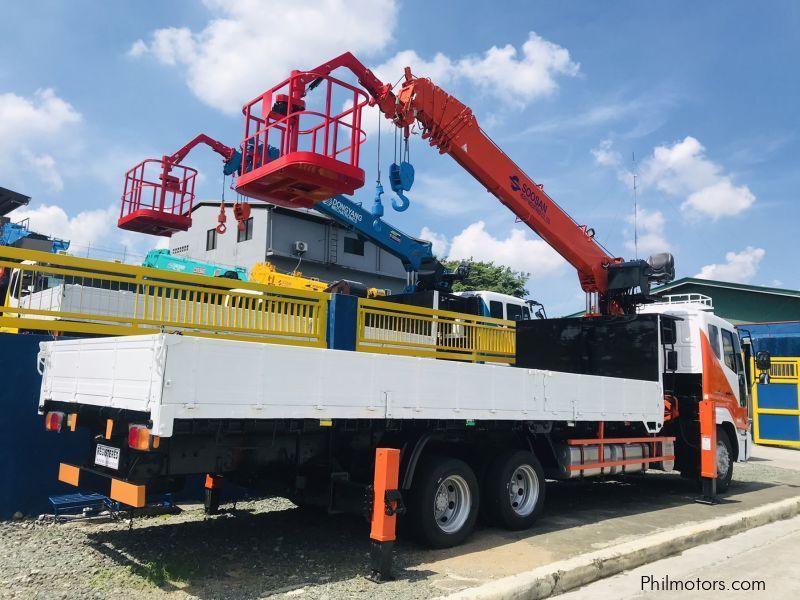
(763, 360)
(672, 360)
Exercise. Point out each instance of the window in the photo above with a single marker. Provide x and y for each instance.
(713, 337)
(354, 246)
(242, 235)
(496, 309)
(514, 312)
(211, 239)
(729, 349)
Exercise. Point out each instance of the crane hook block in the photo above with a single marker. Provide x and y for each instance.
(401, 178)
(377, 207)
(221, 218)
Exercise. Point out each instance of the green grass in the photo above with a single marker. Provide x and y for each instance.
(147, 574)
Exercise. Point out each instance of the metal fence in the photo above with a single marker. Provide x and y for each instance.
(391, 328)
(58, 293)
(776, 405)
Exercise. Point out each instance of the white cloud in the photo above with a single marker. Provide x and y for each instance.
(605, 154)
(45, 166)
(518, 251)
(42, 114)
(249, 45)
(527, 74)
(438, 241)
(515, 76)
(739, 267)
(440, 70)
(33, 128)
(92, 232)
(650, 226)
(683, 170)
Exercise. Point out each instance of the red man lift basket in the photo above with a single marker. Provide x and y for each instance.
(157, 198)
(301, 141)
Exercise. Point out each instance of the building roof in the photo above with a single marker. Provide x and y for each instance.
(10, 200)
(759, 289)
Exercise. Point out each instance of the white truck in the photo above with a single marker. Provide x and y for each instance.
(616, 395)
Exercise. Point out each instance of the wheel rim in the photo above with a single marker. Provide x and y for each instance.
(452, 503)
(523, 490)
(723, 460)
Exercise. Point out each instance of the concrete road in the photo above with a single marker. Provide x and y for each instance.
(760, 563)
(783, 458)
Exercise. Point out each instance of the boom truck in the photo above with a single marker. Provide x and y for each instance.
(441, 436)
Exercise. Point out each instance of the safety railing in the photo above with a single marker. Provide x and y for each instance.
(331, 128)
(57, 293)
(776, 405)
(391, 328)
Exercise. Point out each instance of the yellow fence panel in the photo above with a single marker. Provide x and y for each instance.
(50, 292)
(776, 405)
(391, 328)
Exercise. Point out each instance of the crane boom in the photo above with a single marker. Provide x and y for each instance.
(451, 127)
(424, 270)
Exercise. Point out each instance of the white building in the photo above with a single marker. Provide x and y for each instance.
(291, 240)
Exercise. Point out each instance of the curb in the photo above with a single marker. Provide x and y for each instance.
(565, 575)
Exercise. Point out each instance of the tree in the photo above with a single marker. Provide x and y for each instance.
(491, 277)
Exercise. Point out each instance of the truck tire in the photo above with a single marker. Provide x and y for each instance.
(513, 490)
(443, 504)
(725, 460)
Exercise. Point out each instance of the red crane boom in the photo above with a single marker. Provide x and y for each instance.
(452, 128)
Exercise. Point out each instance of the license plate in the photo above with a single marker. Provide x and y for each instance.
(106, 456)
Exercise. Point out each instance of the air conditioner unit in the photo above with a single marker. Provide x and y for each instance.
(300, 247)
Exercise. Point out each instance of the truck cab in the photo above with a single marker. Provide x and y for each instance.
(500, 306)
(693, 370)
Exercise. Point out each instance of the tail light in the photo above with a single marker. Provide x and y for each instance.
(139, 438)
(53, 421)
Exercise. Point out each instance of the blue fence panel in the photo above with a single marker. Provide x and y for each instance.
(30, 455)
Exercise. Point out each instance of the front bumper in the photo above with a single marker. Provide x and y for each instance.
(95, 481)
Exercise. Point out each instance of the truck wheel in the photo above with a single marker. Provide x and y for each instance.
(725, 460)
(443, 506)
(513, 490)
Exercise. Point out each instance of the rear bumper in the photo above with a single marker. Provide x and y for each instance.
(88, 479)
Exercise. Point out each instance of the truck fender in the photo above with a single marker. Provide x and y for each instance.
(739, 439)
(413, 459)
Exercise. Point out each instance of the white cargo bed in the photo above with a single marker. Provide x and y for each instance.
(181, 377)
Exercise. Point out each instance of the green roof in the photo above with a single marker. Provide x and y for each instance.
(727, 285)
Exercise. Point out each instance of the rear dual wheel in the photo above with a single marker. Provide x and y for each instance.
(444, 500)
(513, 490)
(443, 505)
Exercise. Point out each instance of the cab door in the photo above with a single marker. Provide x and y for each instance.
(733, 365)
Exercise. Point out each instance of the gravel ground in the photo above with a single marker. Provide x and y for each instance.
(269, 547)
(262, 548)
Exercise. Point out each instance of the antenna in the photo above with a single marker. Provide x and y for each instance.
(635, 210)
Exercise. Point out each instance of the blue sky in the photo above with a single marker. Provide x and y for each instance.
(705, 95)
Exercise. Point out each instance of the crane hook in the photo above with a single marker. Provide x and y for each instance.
(221, 218)
(401, 178)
